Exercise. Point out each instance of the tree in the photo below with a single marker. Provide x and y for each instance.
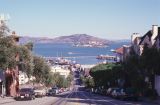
(8, 48)
(26, 60)
(107, 74)
(41, 70)
(150, 59)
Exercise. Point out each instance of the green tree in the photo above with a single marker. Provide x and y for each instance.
(26, 60)
(41, 70)
(8, 48)
(150, 59)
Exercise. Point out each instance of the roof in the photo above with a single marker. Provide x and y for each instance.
(149, 34)
(119, 50)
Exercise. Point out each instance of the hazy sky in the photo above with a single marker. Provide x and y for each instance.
(111, 19)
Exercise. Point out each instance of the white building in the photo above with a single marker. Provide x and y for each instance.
(23, 78)
(64, 71)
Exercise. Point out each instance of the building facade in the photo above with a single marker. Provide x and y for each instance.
(63, 71)
(151, 39)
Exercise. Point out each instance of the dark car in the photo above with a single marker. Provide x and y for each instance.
(129, 94)
(25, 93)
(50, 92)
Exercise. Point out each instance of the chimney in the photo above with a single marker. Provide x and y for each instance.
(154, 31)
(133, 37)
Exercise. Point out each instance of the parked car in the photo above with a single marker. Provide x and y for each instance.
(109, 91)
(56, 90)
(50, 92)
(25, 93)
(129, 94)
(116, 93)
(40, 92)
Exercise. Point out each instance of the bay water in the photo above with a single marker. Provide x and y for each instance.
(82, 55)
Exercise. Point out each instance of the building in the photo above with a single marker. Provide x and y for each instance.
(62, 70)
(119, 54)
(122, 53)
(151, 39)
(23, 78)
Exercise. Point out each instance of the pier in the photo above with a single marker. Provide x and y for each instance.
(106, 57)
(70, 57)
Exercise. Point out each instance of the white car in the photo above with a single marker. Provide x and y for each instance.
(40, 92)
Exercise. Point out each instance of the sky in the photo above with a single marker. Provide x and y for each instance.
(110, 19)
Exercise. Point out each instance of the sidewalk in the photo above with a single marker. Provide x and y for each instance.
(157, 101)
(6, 100)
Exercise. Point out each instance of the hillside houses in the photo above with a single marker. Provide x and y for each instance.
(151, 39)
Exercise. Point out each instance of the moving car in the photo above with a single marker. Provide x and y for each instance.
(25, 93)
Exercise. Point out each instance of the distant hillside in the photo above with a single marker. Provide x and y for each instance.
(76, 38)
(80, 38)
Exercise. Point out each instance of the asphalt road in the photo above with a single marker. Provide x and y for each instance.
(74, 97)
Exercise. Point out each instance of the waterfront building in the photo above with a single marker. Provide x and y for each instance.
(122, 53)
